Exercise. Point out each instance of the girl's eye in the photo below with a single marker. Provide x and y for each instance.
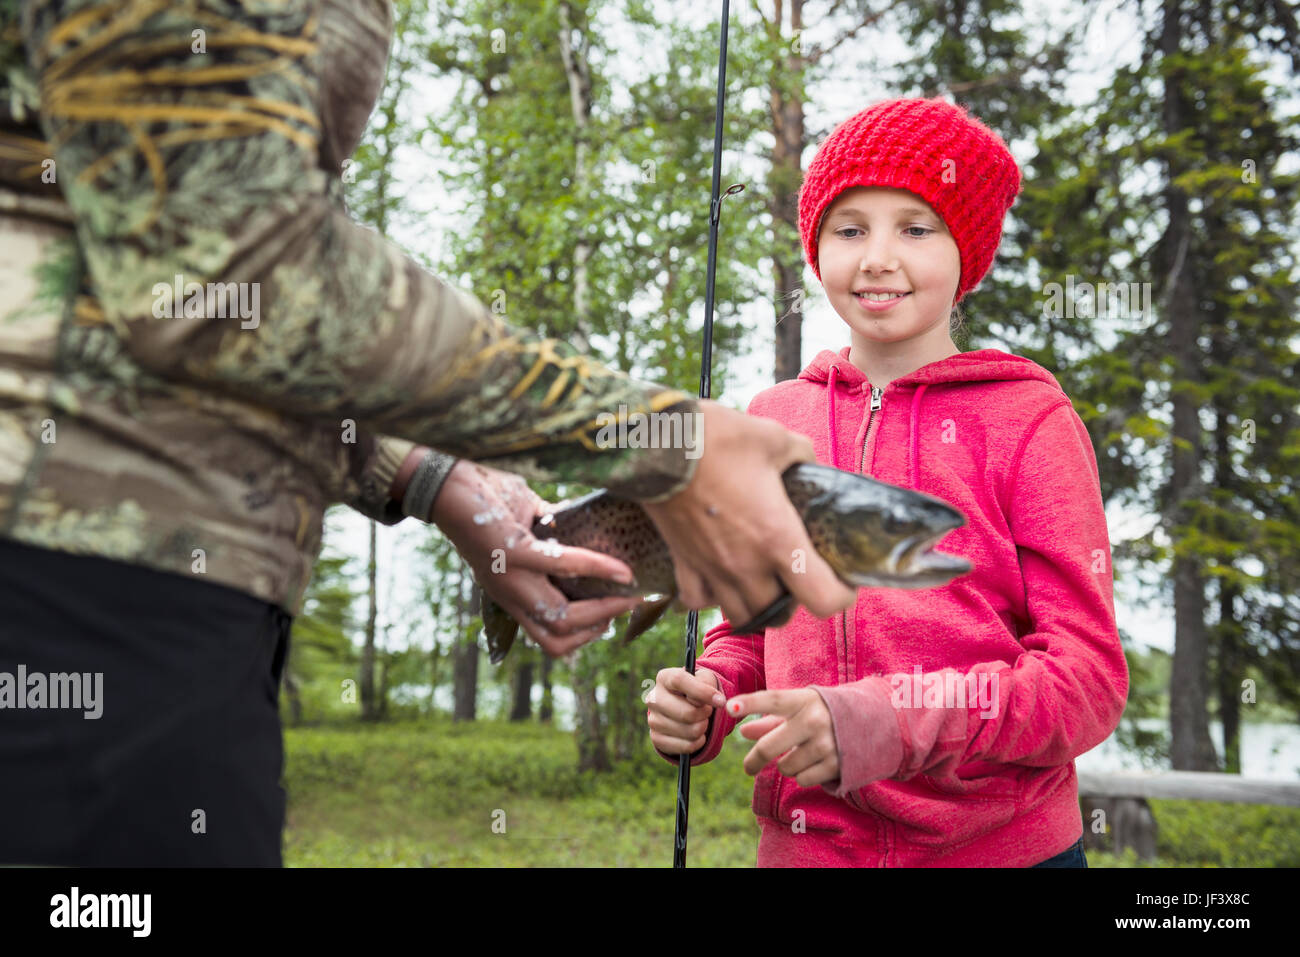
(925, 231)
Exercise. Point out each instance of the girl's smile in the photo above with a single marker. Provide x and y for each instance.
(879, 302)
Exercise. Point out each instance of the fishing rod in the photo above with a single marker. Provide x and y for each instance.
(706, 361)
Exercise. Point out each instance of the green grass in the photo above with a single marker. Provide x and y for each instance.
(427, 793)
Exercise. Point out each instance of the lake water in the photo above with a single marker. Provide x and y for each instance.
(1269, 751)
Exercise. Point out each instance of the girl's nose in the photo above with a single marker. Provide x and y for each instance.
(878, 259)
(878, 255)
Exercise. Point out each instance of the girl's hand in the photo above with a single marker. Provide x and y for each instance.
(797, 729)
(679, 708)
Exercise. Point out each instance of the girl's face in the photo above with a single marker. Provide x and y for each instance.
(877, 237)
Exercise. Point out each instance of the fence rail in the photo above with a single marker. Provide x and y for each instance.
(1127, 818)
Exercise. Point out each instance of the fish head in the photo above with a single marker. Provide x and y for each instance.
(874, 534)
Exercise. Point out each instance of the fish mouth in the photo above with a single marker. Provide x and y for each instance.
(934, 563)
(917, 560)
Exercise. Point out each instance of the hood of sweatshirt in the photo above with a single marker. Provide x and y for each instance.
(842, 377)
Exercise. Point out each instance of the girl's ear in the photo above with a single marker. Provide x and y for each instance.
(956, 323)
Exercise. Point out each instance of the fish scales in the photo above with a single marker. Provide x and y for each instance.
(613, 526)
(871, 533)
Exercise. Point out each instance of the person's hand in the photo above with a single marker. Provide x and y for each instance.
(481, 510)
(733, 532)
(796, 728)
(679, 707)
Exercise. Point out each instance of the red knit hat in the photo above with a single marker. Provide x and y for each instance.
(931, 148)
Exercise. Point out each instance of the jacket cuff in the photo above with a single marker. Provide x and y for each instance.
(373, 499)
(868, 737)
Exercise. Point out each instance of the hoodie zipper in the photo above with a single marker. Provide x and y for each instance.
(877, 395)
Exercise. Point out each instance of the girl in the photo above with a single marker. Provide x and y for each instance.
(935, 727)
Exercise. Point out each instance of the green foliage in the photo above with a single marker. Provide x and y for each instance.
(444, 584)
(1203, 216)
(1147, 698)
(622, 200)
(616, 199)
(1211, 834)
(374, 193)
(423, 794)
(321, 654)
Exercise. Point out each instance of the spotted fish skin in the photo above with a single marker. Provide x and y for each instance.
(604, 523)
(871, 533)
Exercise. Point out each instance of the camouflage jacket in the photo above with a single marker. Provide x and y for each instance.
(199, 349)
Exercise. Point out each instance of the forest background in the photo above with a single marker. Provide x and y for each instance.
(554, 158)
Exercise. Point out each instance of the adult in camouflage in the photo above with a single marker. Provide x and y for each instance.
(199, 351)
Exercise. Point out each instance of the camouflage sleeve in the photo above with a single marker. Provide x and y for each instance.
(187, 140)
(370, 495)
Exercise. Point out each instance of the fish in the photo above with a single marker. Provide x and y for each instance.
(871, 533)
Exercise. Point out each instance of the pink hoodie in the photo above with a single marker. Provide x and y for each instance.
(927, 779)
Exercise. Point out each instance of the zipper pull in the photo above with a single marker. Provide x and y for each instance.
(876, 393)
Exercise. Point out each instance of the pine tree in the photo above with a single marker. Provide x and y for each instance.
(1175, 395)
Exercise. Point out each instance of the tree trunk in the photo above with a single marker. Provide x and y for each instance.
(592, 752)
(367, 682)
(577, 70)
(591, 739)
(1191, 748)
(783, 181)
(1230, 681)
(521, 708)
(435, 673)
(291, 692)
(546, 711)
(465, 668)
(626, 715)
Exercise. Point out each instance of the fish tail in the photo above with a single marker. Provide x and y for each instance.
(645, 615)
(500, 629)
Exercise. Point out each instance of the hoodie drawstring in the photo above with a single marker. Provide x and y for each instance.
(830, 418)
(914, 445)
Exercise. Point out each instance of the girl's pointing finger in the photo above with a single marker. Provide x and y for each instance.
(756, 729)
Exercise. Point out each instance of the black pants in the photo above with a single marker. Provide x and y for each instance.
(182, 766)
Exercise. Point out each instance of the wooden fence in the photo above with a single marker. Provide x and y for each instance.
(1127, 816)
